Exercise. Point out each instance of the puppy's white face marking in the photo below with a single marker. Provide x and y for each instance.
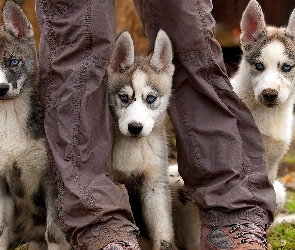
(7, 89)
(275, 79)
(3, 79)
(139, 106)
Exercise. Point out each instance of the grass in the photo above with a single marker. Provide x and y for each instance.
(283, 236)
(289, 159)
(290, 205)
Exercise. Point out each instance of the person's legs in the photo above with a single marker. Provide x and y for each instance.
(220, 152)
(76, 42)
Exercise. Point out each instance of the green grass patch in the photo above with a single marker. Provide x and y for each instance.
(282, 237)
(290, 204)
(289, 159)
(173, 142)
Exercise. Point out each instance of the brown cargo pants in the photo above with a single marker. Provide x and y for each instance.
(220, 153)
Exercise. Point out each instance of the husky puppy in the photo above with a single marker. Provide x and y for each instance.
(139, 90)
(265, 82)
(27, 210)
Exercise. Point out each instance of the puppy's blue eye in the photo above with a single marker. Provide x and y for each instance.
(150, 99)
(14, 62)
(259, 66)
(286, 68)
(123, 98)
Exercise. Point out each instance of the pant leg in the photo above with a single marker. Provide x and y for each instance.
(76, 42)
(220, 152)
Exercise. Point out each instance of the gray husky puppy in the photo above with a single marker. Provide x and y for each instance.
(27, 195)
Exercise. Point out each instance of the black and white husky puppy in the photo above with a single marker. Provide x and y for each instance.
(27, 210)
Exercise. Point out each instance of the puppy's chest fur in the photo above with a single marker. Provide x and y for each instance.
(17, 141)
(146, 156)
(136, 160)
(23, 168)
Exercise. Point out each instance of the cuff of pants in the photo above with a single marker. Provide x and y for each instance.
(254, 215)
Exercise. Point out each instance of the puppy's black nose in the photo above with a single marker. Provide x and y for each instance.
(270, 95)
(3, 89)
(135, 128)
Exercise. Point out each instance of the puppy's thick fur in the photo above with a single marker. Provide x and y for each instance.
(139, 90)
(27, 210)
(265, 81)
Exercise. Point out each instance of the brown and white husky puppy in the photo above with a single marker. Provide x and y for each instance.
(139, 91)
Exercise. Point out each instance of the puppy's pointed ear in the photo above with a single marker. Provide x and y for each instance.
(15, 21)
(253, 23)
(161, 59)
(123, 54)
(290, 30)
